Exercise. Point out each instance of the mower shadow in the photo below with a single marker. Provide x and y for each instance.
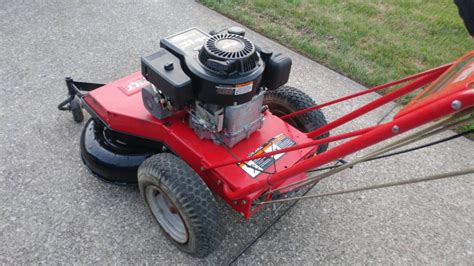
(238, 233)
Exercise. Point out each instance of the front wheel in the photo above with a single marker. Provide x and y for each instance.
(76, 109)
(286, 100)
(181, 203)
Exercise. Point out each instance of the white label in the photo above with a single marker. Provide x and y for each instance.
(257, 166)
(243, 88)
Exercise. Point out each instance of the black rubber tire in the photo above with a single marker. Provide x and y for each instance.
(110, 160)
(76, 109)
(286, 100)
(191, 196)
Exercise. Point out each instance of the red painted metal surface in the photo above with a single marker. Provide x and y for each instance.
(412, 120)
(417, 83)
(455, 79)
(297, 147)
(370, 90)
(119, 105)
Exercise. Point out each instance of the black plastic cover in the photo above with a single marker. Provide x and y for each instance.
(277, 71)
(185, 42)
(151, 100)
(163, 70)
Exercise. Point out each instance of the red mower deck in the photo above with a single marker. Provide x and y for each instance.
(119, 104)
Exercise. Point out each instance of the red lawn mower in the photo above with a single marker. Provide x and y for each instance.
(209, 114)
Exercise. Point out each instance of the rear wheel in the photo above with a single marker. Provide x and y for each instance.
(286, 100)
(181, 203)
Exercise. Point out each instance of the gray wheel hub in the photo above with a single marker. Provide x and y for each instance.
(166, 213)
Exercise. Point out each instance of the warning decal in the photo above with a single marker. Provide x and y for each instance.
(238, 89)
(257, 166)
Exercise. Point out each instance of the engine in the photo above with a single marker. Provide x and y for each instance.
(219, 79)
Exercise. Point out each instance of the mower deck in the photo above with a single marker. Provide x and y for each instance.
(120, 107)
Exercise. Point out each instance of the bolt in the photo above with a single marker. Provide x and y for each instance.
(456, 104)
(173, 210)
(242, 214)
(244, 202)
(219, 182)
(163, 148)
(235, 202)
(395, 129)
(202, 168)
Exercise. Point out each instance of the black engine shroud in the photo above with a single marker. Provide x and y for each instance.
(223, 69)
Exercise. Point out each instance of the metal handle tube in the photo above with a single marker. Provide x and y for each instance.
(412, 120)
(367, 91)
(375, 104)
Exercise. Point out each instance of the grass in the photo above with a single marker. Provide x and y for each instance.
(370, 41)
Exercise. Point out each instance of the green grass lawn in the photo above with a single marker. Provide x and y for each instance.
(370, 41)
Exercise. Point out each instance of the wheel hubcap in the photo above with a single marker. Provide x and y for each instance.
(166, 214)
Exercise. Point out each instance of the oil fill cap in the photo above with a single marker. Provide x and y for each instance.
(169, 66)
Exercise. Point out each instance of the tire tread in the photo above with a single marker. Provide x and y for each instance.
(296, 100)
(193, 196)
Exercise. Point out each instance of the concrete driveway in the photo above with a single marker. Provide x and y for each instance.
(53, 211)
